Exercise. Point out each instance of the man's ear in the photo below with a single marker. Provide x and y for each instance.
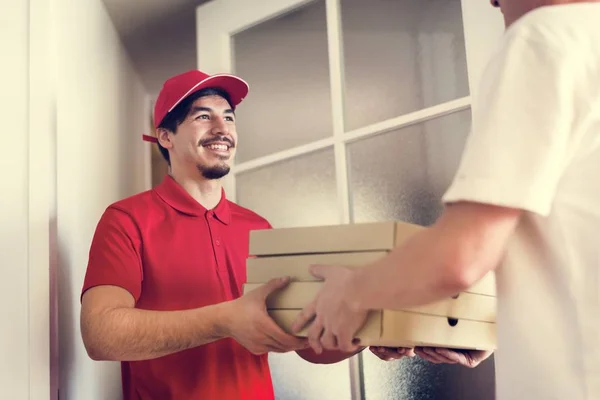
(164, 138)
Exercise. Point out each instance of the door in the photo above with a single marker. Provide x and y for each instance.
(358, 111)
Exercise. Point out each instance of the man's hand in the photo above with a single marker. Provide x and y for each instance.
(436, 355)
(466, 358)
(252, 327)
(334, 319)
(392, 353)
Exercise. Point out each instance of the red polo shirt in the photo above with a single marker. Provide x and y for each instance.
(171, 253)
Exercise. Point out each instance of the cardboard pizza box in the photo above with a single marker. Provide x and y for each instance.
(411, 329)
(467, 306)
(263, 269)
(375, 236)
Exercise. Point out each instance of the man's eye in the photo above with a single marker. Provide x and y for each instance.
(202, 116)
(230, 119)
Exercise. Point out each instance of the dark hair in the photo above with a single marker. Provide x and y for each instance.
(176, 117)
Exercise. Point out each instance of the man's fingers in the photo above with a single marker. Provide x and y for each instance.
(288, 343)
(451, 355)
(275, 349)
(408, 352)
(431, 355)
(391, 353)
(376, 350)
(314, 335)
(425, 356)
(434, 352)
(282, 338)
(273, 285)
(305, 316)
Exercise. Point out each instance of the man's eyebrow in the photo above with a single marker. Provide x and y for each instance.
(198, 109)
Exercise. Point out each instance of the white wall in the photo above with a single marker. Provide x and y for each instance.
(72, 111)
(100, 159)
(14, 195)
(26, 112)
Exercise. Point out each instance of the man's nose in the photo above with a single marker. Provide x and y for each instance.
(220, 127)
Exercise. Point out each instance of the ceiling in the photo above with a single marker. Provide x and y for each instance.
(159, 35)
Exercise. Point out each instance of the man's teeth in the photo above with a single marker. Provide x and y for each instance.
(223, 147)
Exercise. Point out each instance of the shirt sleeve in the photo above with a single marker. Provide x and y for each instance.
(115, 254)
(521, 129)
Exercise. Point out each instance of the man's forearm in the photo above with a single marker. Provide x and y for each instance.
(129, 334)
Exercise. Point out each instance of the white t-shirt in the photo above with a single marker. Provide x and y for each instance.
(535, 146)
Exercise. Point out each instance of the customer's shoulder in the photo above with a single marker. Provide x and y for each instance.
(560, 28)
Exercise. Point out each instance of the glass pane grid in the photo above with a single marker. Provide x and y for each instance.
(400, 56)
(402, 174)
(346, 138)
(299, 191)
(285, 60)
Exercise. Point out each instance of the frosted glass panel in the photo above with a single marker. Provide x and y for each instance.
(401, 56)
(296, 192)
(403, 174)
(285, 62)
(417, 379)
(297, 379)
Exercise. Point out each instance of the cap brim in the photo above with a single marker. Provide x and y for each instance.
(236, 88)
(148, 138)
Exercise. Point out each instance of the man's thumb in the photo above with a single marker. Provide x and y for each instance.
(274, 285)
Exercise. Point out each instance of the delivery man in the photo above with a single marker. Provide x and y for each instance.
(162, 291)
(525, 202)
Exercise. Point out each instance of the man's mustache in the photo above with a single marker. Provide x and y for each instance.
(217, 139)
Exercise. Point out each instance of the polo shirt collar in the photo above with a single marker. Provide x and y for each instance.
(175, 196)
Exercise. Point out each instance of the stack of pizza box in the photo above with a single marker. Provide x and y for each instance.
(463, 321)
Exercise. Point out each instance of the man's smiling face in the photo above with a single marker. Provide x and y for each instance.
(206, 138)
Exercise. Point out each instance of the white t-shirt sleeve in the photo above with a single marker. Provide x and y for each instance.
(521, 129)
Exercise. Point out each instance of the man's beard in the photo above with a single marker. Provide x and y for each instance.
(217, 171)
(214, 172)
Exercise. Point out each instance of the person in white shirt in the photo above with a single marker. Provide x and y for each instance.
(525, 202)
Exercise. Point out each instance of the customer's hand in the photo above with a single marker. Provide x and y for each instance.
(466, 358)
(250, 325)
(392, 353)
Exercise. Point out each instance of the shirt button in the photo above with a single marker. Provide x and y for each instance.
(218, 242)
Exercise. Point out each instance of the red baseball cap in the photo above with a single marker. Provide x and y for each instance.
(177, 88)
